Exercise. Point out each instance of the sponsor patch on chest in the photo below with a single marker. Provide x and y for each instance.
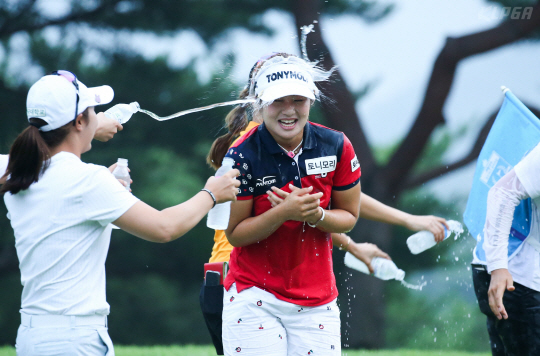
(321, 165)
(265, 181)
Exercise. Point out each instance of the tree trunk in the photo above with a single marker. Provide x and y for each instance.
(362, 318)
(343, 116)
(362, 297)
(400, 166)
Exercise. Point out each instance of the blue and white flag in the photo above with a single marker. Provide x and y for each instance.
(515, 132)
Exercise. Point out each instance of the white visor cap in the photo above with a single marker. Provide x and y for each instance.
(53, 99)
(279, 80)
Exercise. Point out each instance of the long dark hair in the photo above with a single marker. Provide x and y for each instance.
(237, 119)
(30, 156)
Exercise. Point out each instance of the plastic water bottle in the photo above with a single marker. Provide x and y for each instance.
(424, 240)
(122, 112)
(384, 269)
(218, 216)
(121, 171)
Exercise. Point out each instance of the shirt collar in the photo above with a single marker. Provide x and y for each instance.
(272, 147)
(64, 155)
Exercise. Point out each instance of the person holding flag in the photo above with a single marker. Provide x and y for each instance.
(516, 315)
(502, 214)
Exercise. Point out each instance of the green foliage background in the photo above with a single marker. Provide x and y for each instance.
(153, 289)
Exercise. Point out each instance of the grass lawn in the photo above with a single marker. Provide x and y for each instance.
(192, 350)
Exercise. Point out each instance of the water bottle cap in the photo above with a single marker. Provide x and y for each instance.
(122, 162)
(134, 106)
(227, 162)
(400, 275)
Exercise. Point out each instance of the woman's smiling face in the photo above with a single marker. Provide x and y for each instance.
(285, 119)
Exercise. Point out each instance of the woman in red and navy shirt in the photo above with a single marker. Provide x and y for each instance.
(280, 291)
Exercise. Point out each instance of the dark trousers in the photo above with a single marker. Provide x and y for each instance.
(519, 335)
(211, 299)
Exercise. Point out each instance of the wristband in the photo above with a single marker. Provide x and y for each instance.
(211, 194)
(318, 221)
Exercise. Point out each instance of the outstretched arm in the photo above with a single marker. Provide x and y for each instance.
(169, 224)
(106, 128)
(373, 209)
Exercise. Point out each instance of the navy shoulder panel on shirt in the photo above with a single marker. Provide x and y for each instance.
(328, 138)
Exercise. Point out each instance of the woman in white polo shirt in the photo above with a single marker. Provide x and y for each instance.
(60, 209)
(3, 166)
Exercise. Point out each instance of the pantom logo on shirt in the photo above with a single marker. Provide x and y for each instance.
(355, 164)
(265, 181)
(321, 165)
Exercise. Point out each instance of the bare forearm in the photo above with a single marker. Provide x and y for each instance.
(255, 229)
(341, 241)
(167, 225)
(338, 221)
(373, 209)
(183, 217)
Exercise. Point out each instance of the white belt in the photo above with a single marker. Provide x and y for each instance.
(62, 321)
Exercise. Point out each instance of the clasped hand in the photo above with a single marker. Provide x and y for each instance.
(299, 204)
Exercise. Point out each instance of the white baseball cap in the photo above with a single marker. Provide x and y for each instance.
(283, 79)
(55, 98)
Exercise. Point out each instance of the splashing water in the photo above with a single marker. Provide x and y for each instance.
(413, 286)
(456, 228)
(305, 31)
(203, 108)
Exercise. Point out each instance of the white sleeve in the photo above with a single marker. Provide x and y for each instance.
(105, 199)
(3, 164)
(502, 200)
(528, 171)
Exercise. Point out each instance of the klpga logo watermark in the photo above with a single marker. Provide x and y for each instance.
(507, 12)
